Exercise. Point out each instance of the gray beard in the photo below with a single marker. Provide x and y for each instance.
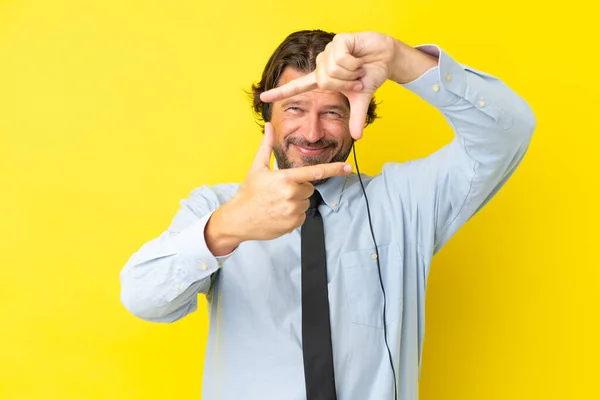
(283, 161)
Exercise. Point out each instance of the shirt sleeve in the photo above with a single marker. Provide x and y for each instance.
(493, 128)
(160, 282)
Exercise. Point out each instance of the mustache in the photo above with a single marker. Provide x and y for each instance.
(302, 142)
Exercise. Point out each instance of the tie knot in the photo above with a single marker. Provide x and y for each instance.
(315, 199)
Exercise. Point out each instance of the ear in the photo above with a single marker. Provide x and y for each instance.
(266, 111)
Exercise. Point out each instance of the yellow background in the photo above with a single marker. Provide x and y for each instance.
(113, 111)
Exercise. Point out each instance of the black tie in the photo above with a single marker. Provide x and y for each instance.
(316, 332)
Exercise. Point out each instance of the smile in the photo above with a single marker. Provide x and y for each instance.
(310, 151)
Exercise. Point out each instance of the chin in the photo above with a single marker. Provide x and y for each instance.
(307, 161)
(291, 159)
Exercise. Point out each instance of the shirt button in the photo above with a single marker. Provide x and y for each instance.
(436, 88)
(334, 204)
(448, 77)
(176, 286)
(481, 103)
(204, 267)
(374, 256)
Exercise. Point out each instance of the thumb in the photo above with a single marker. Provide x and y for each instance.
(359, 106)
(263, 155)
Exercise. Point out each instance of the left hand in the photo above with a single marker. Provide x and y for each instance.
(354, 64)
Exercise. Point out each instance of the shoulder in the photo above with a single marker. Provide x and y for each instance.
(394, 180)
(391, 174)
(387, 180)
(209, 197)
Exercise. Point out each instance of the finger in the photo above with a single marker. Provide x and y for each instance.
(300, 220)
(340, 54)
(328, 69)
(315, 172)
(329, 83)
(305, 190)
(300, 85)
(339, 72)
(359, 106)
(263, 155)
(303, 206)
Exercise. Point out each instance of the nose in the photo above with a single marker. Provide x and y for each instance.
(313, 130)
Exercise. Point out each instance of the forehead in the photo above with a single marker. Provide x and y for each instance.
(320, 95)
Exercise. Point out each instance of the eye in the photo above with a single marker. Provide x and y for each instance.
(333, 114)
(293, 109)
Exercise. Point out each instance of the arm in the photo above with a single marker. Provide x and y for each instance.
(493, 128)
(161, 281)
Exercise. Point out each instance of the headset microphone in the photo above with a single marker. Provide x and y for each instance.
(379, 270)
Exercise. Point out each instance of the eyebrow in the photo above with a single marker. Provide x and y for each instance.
(292, 102)
(330, 107)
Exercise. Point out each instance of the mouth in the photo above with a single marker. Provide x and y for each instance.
(310, 151)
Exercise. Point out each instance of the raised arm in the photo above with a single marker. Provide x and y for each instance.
(493, 128)
(493, 125)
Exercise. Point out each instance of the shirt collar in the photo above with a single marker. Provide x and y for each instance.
(331, 191)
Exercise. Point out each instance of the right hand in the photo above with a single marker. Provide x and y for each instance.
(272, 203)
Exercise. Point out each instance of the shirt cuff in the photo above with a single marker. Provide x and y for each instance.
(442, 85)
(192, 252)
(446, 84)
(222, 259)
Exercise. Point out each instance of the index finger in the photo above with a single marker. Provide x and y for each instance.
(315, 172)
(303, 84)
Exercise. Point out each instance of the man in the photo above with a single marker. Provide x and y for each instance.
(289, 318)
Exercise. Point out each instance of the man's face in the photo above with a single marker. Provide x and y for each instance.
(311, 128)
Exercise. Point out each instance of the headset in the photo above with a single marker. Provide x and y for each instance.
(378, 270)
